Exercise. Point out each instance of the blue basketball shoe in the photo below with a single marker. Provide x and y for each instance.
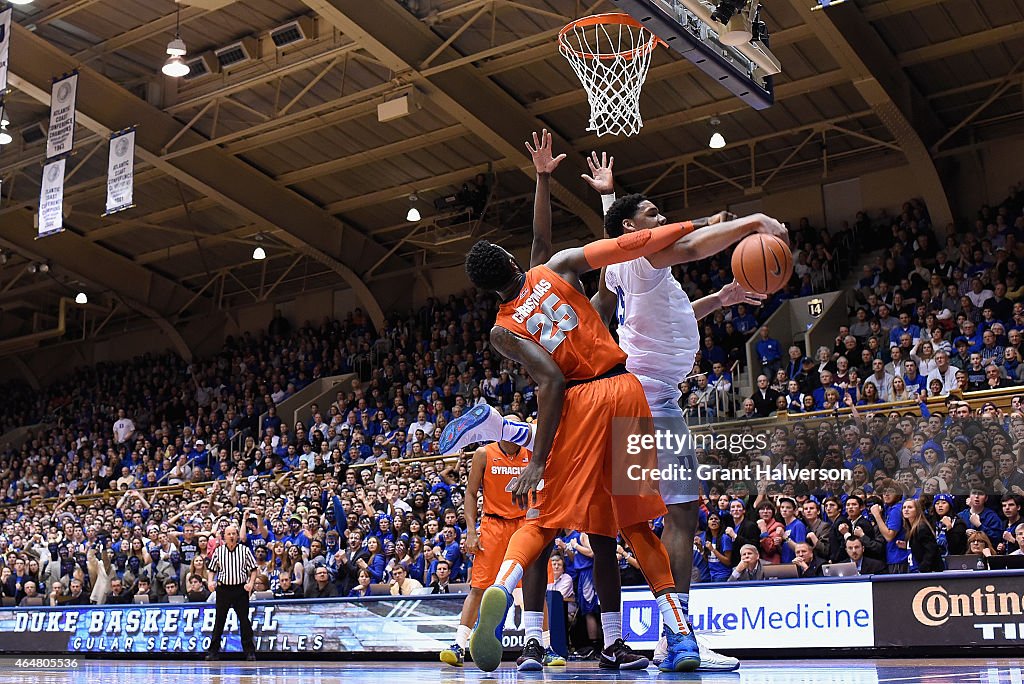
(453, 655)
(481, 423)
(683, 652)
(485, 644)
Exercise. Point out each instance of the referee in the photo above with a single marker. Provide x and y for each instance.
(235, 567)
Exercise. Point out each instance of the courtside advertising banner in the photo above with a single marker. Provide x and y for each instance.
(60, 137)
(750, 616)
(952, 609)
(51, 199)
(120, 171)
(415, 625)
(5, 46)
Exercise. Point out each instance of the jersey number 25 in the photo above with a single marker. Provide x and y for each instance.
(552, 322)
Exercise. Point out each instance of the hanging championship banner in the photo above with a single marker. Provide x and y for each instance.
(5, 46)
(51, 199)
(61, 137)
(120, 171)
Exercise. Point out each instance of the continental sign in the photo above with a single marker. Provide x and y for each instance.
(961, 610)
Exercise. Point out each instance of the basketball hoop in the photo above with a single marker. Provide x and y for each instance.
(610, 54)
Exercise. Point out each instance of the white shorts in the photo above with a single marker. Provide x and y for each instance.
(663, 398)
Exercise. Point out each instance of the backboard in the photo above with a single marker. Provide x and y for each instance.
(686, 26)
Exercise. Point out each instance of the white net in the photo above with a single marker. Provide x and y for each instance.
(610, 54)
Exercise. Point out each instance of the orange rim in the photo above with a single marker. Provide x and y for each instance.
(613, 19)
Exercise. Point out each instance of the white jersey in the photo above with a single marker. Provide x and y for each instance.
(657, 327)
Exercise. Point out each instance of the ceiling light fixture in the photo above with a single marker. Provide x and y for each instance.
(717, 141)
(81, 298)
(20, 2)
(175, 66)
(259, 254)
(414, 213)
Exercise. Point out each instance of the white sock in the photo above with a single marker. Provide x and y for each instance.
(545, 638)
(684, 600)
(611, 623)
(672, 613)
(513, 574)
(517, 432)
(462, 636)
(533, 623)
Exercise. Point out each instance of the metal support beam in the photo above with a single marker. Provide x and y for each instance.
(265, 72)
(189, 246)
(881, 10)
(399, 40)
(239, 187)
(727, 105)
(686, 159)
(140, 289)
(1001, 88)
(376, 154)
(138, 34)
(958, 46)
(884, 85)
(62, 10)
(26, 372)
(423, 185)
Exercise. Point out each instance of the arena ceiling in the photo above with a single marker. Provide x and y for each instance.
(286, 147)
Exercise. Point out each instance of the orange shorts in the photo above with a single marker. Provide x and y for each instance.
(494, 535)
(585, 485)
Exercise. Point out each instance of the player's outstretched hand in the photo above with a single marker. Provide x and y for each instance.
(543, 162)
(769, 226)
(721, 217)
(733, 293)
(601, 177)
(524, 493)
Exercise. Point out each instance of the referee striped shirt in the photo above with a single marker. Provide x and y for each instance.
(232, 567)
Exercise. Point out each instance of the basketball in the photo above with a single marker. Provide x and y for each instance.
(762, 263)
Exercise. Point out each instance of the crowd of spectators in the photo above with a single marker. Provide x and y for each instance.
(822, 259)
(930, 322)
(352, 499)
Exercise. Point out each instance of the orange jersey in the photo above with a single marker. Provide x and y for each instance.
(554, 314)
(500, 470)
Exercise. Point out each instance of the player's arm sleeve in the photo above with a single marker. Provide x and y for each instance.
(629, 246)
(570, 263)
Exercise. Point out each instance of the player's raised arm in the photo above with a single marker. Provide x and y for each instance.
(602, 180)
(711, 240)
(571, 263)
(544, 164)
(550, 398)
